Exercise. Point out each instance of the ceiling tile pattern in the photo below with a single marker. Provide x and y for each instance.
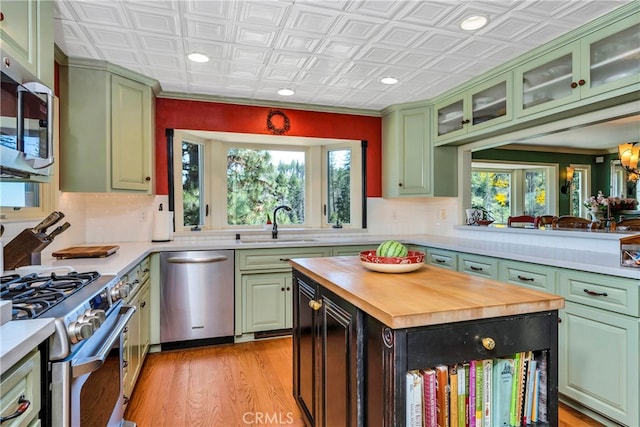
(331, 52)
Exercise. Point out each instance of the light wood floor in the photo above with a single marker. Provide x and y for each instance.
(231, 385)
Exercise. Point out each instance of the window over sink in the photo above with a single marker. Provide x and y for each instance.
(231, 181)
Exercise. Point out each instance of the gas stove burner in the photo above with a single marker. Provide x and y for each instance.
(34, 294)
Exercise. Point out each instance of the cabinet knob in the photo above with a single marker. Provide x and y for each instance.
(315, 305)
(488, 343)
(574, 85)
(464, 122)
(148, 178)
(1, 16)
(581, 82)
(399, 184)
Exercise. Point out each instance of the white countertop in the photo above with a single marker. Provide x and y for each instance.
(18, 338)
(131, 253)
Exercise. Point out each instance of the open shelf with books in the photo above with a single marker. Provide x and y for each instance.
(502, 372)
(498, 392)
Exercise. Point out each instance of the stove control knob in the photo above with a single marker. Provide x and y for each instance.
(100, 314)
(78, 331)
(119, 292)
(93, 320)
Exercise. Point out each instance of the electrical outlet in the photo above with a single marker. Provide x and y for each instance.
(442, 214)
(143, 216)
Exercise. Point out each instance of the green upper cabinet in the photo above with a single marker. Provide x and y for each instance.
(481, 106)
(27, 37)
(106, 138)
(596, 64)
(410, 162)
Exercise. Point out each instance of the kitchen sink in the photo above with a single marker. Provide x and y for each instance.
(278, 241)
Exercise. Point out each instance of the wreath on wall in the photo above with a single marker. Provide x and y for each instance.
(282, 124)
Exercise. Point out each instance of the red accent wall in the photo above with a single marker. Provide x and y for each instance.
(214, 116)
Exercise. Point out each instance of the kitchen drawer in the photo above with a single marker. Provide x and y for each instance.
(607, 292)
(442, 258)
(144, 269)
(275, 259)
(478, 265)
(532, 276)
(352, 250)
(23, 379)
(463, 341)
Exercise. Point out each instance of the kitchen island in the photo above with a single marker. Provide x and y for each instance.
(357, 333)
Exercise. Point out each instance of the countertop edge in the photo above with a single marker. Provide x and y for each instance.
(21, 337)
(547, 303)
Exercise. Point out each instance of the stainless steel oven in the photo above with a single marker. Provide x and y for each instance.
(85, 360)
(87, 387)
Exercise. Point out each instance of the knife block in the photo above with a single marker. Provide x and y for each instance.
(24, 249)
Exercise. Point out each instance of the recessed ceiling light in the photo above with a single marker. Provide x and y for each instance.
(474, 22)
(198, 57)
(286, 92)
(389, 80)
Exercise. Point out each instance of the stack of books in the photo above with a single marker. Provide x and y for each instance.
(503, 392)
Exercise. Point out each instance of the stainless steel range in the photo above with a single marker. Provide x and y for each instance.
(85, 352)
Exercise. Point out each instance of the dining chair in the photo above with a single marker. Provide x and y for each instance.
(521, 221)
(568, 221)
(544, 220)
(632, 224)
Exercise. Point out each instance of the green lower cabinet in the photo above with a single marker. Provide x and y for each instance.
(442, 258)
(598, 363)
(353, 250)
(538, 277)
(267, 302)
(479, 265)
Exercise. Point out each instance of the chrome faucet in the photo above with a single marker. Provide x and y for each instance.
(274, 229)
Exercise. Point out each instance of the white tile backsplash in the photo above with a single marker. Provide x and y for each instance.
(115, 217)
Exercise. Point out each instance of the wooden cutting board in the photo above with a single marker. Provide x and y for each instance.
(86, 252)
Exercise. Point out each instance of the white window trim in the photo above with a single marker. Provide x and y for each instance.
(356, 182)
(215, 151)
(584, 191)
(516, 170)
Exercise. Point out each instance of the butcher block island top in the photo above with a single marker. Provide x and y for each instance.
(428, 296)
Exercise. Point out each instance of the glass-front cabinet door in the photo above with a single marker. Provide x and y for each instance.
(548, 81)
(483, 105)
(450, 118)
(603, 61)
(612, 57)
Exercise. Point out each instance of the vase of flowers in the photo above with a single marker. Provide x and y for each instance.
(599, 207)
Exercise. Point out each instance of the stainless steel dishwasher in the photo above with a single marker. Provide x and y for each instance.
(196, 298)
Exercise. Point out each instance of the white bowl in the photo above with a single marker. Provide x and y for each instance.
(413, 261)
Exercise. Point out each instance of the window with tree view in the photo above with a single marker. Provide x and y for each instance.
(227, 182)
(339, 186)
(519, 189)
(192, 184)
(260, 180)
(492, 191)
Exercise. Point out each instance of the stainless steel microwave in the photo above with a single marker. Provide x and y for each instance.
(26, 130)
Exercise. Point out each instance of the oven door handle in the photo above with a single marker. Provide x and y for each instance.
(91, 364)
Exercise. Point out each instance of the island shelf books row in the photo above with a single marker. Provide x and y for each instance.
(502, 392)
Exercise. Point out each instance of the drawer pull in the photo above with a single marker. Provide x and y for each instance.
(474, 268)
(594, 294)
(285, 259)
(439, 260)
(23, 405)
(526, 279)
(315, 305)
(488, 343)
